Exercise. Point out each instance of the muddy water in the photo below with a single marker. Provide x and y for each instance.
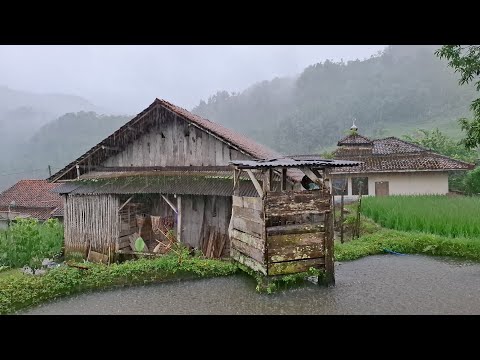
(384, 284)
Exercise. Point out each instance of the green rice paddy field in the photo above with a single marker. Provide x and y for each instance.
(443, 215)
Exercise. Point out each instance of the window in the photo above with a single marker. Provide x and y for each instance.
(340, 186)
(360, 185)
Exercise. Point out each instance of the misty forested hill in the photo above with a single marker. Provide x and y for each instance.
(404, 88)
(57, 143)
(22, 114)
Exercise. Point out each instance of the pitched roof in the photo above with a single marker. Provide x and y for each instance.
(392, 154)
(231, 137)
(354, 139)
(33, 197)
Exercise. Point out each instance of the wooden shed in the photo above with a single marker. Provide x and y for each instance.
(282, 231)
(166, 166)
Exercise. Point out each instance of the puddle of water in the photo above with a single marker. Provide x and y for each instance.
(383, 284)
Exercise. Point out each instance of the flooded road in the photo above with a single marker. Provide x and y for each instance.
(384, 284)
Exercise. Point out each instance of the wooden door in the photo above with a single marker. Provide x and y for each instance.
(381, 188)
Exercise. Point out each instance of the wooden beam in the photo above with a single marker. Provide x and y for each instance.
(283, 180)
(311, 175)
(267, 180)
(236, 182)
(179, 218)
(255, 182)
(125, 203)
(317, 174)
(170, 203)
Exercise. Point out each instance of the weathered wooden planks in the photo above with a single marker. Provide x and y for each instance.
(296, 202)
(256, 229)
(247, 261)
(295, 229)
(279, 241)
(248, 239)
(248, 250)
(248, 202)
(247, 213)
(292, 267)
(295, 252)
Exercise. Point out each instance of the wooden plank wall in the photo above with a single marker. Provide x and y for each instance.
(203, 214)
(91, 223)
(248, 232)
(295, 230)
(172, 141)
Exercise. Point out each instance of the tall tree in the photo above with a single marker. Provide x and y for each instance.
(465, 59)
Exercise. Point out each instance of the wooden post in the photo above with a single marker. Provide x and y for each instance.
(341, 219)
(283, 181)
(329, 255)
(333, 210)
(236, 182)
(78, 171)
(267, 183)
(179, 218)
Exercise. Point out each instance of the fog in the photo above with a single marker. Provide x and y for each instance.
(125, 79)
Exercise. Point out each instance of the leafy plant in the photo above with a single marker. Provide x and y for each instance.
(28, 242)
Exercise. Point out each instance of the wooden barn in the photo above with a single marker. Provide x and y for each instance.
(165, 174)
(166, 166)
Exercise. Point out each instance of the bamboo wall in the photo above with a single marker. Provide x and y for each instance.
(286, 232)
(91, 223)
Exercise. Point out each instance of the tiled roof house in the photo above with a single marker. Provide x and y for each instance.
(31, 198)
(391, 166)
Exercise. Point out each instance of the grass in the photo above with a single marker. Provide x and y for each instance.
(19, 291)
(11, 273)
(435, 214)
(408, 243)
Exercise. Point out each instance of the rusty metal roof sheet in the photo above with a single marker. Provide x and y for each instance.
(288, 162)
(184, 185)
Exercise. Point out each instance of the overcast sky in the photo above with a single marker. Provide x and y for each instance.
(129, 78)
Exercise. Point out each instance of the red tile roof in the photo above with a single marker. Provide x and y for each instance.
(250, 147)
(354, 139)
(32, 197)
(392, 154)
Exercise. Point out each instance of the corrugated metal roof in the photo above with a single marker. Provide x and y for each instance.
(317, 163)
(184, 185)
(65, 188)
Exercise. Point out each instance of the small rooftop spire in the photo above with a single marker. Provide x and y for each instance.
(354, 127)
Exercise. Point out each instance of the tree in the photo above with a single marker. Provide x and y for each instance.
(438, 142)
(472, 181)
(465, 59)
